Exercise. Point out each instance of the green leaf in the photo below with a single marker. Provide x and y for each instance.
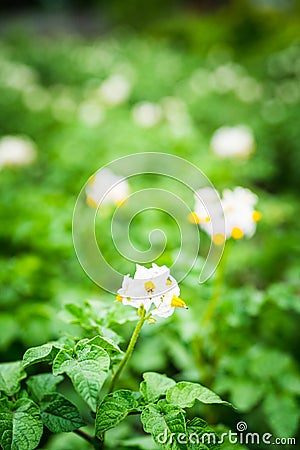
(59, 414)
(161, 421)
(246, 393)
(87, 367)
(155, 385)
(108, 344)
(10, 376)
(184, 394)
(283, 414)
(38, 354)
(20, 425)
(113, 409)
(201, 436)
(42, 384)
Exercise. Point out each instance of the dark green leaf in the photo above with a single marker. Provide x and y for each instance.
(42, 384)
(59, 414)
(113, 409)
(21, 427)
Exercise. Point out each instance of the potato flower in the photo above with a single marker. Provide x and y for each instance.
(16, 151)
(151, 287)
(233, 142)
(146, 114)
(107, 188)
(115, 90)
(238, 209)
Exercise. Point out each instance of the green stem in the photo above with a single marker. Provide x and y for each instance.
(217, 289)
(130, 348)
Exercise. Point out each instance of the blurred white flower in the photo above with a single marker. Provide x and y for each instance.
(238, 212)
(91, 113)
(148, 287)
(16, 151)
(115, 90)
(147, 114)
(107, 188)
(228, 142)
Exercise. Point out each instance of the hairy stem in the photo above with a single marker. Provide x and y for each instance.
(130, 348)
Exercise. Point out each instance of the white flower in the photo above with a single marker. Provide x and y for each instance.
(107, 188)
(237, 210)
(115, 90)
(208, 213)
(147, 114)
(91, 113)
(153, 286)
(228, 142)
(16, 151)
(240, 215)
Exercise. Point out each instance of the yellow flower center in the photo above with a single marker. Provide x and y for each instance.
(176, 302)
(218, 239)
(256, 216)
(149, 286)
(119, 298)
(237, 233)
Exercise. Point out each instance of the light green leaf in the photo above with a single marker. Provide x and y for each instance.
(155, 385)
(113, 409)
(59, 414)
(184, 394)
(10, 376)
(42, 384)
(87, 367)
(20, 425)
(35, 355)
(161, 421)
(201, 436)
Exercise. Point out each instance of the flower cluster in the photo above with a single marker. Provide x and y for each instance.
(238, 209)
(151, 287)
(107, 188)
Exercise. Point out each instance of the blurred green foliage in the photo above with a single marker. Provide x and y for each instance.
(242, 66)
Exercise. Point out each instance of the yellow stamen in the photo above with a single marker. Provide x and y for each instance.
(237, 233)
(176, 302)
(168, 282)
(92, 180)
(121, 203)
(151, 320)
(149, 286)
(119, 298)
(91, 202)
(193, 218)
(256, 216)
(218, 239)
(207, 219)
